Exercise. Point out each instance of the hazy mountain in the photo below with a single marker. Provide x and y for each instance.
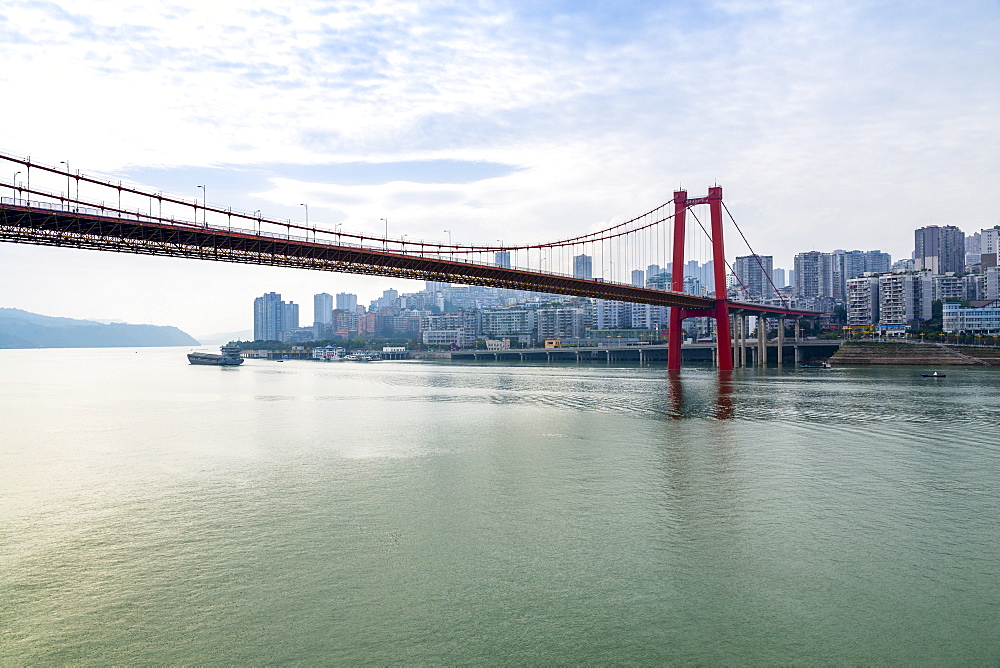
(21, 329)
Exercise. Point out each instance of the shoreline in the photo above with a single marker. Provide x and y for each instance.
(878, 353)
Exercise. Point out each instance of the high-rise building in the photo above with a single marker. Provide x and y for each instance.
(502, 259)
(903, 265)
(989, 247)
(659, 281)
(435, 286)
(652, 271)
(814, 275)
(754, 274)
(692, 285)
(323, 309)
(388, 300)
(347, 301)
(269, 317)
(322, 315)
(563, 321)
(877, 262)
(838, 262)
(862, 301)
(939, 248)
(853, 263)
(508, 321)
(647, 316)
(973, 243)
(991, 283)
(948, 287)
(583, 266)
(612, 314)
(973, 248)
(345, 323)
(904, 300)
(778, 276)
(291, 317)
(638, 277)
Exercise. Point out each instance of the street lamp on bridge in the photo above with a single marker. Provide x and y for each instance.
(66, 162)
(14, 186)
(204, 207)
(385, 241)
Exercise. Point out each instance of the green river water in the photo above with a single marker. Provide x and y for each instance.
(407, 512)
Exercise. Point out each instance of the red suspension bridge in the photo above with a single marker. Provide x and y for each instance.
(129, 219)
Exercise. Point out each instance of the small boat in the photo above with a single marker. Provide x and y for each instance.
(817, 365)
(933, 375)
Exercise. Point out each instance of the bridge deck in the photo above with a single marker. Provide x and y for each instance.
(133, 233)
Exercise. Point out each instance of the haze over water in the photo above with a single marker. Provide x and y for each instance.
(408, 512)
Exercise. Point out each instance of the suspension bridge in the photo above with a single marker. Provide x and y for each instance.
(125, 218)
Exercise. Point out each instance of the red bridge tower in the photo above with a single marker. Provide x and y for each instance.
(721, 309)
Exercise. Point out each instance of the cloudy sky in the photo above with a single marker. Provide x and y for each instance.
(829, 125)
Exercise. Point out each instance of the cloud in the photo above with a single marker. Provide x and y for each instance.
(829, 126)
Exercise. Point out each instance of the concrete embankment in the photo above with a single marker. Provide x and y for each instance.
(874, 353)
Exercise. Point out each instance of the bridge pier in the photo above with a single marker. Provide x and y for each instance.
(798, 338)
(761, 341)
(781, 341)
(736, 341)
(743, 341)
(745, 336)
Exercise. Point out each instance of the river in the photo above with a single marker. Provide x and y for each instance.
(414, 512)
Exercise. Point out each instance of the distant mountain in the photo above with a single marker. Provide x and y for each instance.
(21, 329)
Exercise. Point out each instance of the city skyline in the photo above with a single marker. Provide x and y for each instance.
(513, 122)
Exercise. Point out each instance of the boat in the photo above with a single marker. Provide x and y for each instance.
(817, 365)
(933, 375)
(230, 357)
(362, 357)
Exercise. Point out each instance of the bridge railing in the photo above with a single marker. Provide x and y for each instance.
(59, 206)
(139, 216)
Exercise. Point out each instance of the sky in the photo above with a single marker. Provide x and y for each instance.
(828, 124)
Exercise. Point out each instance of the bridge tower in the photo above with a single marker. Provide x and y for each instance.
(720, 311)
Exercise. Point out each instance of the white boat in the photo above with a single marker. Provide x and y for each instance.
(360, 357)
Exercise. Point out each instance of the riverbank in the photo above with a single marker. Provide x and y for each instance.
(875, 353)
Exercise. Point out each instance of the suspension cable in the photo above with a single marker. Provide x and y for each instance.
(757, 257)
(728, 266)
